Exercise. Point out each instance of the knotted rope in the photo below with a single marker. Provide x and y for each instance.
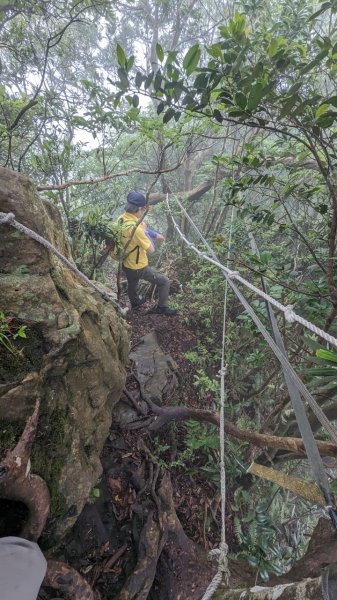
(222, 572)
(9, 219)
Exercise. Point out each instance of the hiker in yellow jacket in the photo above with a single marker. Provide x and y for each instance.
(135, 262)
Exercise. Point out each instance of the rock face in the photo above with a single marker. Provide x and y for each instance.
(73, 357)
(155, 370)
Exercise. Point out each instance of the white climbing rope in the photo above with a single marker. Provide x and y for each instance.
(222, 552)
(283, 360)
(289, 313)
(9, 219)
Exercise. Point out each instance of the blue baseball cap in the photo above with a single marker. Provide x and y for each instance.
(136, 198)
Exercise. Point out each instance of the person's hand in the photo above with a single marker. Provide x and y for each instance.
(160, 238)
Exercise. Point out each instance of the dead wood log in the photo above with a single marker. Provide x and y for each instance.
(164, 415)
(309, 589)
(308, 490)
(16, 482)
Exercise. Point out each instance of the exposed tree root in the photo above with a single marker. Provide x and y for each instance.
(168, 561)
(183, 570)
(16, 482)
(151, 543)
(321, 553)
(68, 581)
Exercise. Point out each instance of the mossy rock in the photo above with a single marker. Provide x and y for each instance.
(73, 358)
(26, 356)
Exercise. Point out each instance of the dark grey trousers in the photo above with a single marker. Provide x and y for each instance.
(148, 274)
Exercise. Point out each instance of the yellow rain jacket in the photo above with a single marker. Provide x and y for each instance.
(136, 256)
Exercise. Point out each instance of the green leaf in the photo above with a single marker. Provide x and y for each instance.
(139, 79)
(171, 57)
(332, 100)
(157, 81)
(121, 56)
(123, 79)
(255, 95)
(322, 371)
(191, 59)
(323, 108)
(325, 120)
(327, 355)
(22, 331)
(275, 45)
(168, 115)
(241, 100)
(237, 25)
(135, 101)
(325, 6)
(133, 114)
(314, 62)
(322, 208)
(160, 52)
(129, 63)
(148, 80)
(237, 113)
(217, 115)
(289, 104)
(201, 81)
(215, 51)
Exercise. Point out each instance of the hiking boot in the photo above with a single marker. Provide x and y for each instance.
(162, 310)
(137, 303)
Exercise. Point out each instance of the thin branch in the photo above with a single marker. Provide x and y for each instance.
(92, 181)
(177, 413)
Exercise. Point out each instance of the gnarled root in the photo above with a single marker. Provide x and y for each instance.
(16, 482)
(151, 543)
(68, 582)
(167, 555)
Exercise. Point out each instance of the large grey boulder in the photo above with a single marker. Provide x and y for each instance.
(156, 371)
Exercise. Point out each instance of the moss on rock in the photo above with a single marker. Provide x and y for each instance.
(73, 359)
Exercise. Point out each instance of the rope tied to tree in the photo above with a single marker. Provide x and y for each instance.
(9, 219)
